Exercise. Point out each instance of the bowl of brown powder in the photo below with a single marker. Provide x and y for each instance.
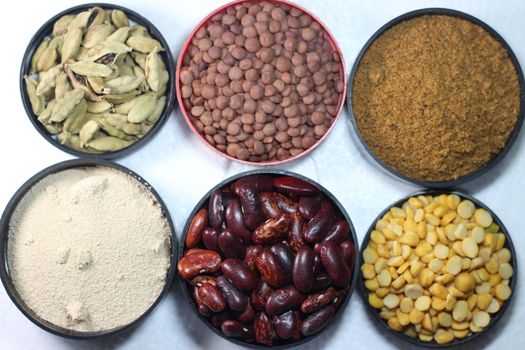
(87, 248)
(436, 97)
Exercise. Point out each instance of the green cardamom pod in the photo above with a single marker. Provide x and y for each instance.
(88, 131)
(123, 84)
(98, 107)
(62, 85)
(61, 25)
(76, 125)
(97, 85)
(72, 41)
(97, 16)
(153, 70)
(53, 129)
(139, 30)
(37, 102)
(97, 34)
(121, 98)
(119, 18)
(47, 80)
(120, 35)
(109, 144)
(143, 44)
(139, 59)
(125, 68)
(157, 112)
(113, 131)
(81, 82)
(91, 69)
(107, 51)
(77, 113)
(58, 41)
(81, 54)
(66, 105)
(125, 107)
(46, 114)
(142, 108)
(48, 58)
(38, 54)
(80, 21)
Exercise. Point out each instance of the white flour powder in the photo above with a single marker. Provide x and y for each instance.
(89, 249)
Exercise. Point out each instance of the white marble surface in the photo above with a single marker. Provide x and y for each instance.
(182, 169)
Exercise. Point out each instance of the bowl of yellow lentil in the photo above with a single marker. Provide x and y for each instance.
(438, 268)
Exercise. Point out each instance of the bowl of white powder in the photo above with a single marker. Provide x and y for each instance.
(87, 248)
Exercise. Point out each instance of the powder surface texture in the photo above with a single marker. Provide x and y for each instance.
(436, 97)
(89, 249)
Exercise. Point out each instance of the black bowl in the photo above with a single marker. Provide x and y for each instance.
(275, 172)
(4, 234)
(365, 149)
(46, 30)
(494, 318)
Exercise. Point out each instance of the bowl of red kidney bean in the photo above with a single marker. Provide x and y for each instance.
(268, 258)
(261, 82)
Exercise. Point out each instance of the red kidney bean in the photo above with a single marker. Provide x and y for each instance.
(340, 297)
(239, 274)
(235, 329)
(250, 204)
(235, 221)
(272, 231)
(317, 321)
(251, 255)
(338, 233)
(269, 206)
(209, 238)
(203, 309)
(197, 225)
(295, 235)
(202, 279)
(231, 246)
(296, 186)
(318, 265)
(303, 269)
(220, 317)
(216, 209)
(287, 324)
(285, 204)
(317, 227)
(318, 300)
(322, 281)
(236, 300)
(263, 329)
(248, 315)
(348, 251)
(194, 250)
(309, 206)
(283, 300)
(334, 264)
(285, 256)
(270, 268)
(260, 295)
(211, 297)
(205, 261)
(260, 183)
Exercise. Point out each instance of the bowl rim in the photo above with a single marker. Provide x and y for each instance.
(4, 235)
(272, 172)
(45, 30)
(363, 145)
(203, 22)
(374, 313)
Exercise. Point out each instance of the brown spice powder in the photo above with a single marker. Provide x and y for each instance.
(436, 97)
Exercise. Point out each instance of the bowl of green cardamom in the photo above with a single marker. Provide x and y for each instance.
(97, 80)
